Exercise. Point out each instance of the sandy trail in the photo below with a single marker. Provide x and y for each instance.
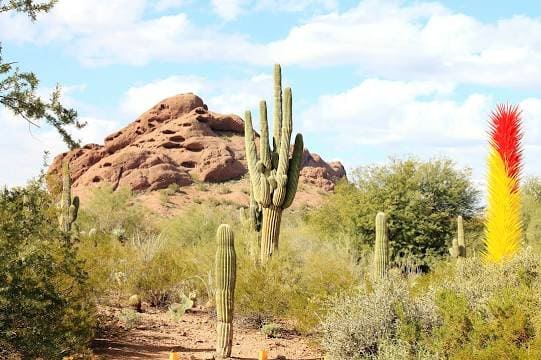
(156, 334)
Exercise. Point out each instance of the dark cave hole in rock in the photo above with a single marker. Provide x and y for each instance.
(168, 132)
(107, 164)
(171, 145)
(96, 179)
(188, 164)
(195, 147)
(177, 138)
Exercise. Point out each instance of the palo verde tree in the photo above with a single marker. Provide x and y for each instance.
(18, 89)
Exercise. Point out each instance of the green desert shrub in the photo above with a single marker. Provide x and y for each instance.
(107, 211)
(296, 283)
(375, 314)
(461, 310)
(421, 199)
(180, 260)
(531, 210)
(44, 307)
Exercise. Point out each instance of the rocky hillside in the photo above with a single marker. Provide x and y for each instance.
(178, 141)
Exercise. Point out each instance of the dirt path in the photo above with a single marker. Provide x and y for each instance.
(156, 334)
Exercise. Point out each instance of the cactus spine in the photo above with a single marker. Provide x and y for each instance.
(226, 274)
(68, 207)
(458, 248)
(274, 176)
(381, 248)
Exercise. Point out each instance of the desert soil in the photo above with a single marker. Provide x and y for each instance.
(156, 334)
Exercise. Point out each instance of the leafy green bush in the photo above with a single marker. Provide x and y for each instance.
(531, 209)
(383, 312)
(107, 210)
(44, 311)
(421, 199)
(463, 310)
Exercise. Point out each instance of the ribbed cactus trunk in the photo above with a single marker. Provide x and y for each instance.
(460, 236)
(226, 274)
(458, 248)
(274, 176)
(270, 231)
(68, 208)
(381, 248)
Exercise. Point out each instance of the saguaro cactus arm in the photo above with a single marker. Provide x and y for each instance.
(294, 171)
(277, 107)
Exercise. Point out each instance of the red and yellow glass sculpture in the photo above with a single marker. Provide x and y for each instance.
(503, 230)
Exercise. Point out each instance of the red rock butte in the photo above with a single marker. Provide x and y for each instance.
(176, 141)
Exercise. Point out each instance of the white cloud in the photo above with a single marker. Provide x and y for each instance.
(232, 9)
(25, 145)
(417, 118)
(222, 95)
(228, 9)
(140, 98)
(386, 39)
(162, 5)
(421, 41)
(295, 5)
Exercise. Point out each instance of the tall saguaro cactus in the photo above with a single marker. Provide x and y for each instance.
(381, 248)
(68, 208)
(226, 275)
(274, 176)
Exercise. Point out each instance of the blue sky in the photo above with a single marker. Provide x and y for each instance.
(370, 79)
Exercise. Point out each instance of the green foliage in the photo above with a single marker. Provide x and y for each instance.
(271, 330)
(299, 284)
(421, 200)
(531, 209)
(44, 310)
(107, 210)
(464, 310)
(180, 260)
(129, 318)
(18, 90)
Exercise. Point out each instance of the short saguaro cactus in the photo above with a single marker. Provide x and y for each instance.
(381, 247)
(226, 275)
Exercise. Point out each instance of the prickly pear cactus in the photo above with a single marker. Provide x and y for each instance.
(274, 175)
(226, 274)
(381, 248)
(68, 207)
